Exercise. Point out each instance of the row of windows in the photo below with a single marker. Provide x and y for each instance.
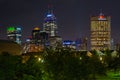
(100, 32)
(100, 26)
(100, 42)
(100, 39)
(100, 48)
(100, 35)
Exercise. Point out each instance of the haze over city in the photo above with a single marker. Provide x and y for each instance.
(73, 16)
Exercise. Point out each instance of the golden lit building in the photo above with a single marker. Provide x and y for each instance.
(100, 32)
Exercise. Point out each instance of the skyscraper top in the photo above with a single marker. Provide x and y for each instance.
(50, 25)
(36, 28)
(101, 16)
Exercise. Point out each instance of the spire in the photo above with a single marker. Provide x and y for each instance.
(101, 12)
(50, 13)
(101, 15)
(50, 7)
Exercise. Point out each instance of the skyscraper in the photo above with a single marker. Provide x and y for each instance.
(39, 37)
(50, 25)
(36, 35)
(14, 34)
(100, 32)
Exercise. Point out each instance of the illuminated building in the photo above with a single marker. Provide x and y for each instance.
(39, 37)
(35, 48)
(100, 32)
(30, 46)
(36, 35)
(79, 44)
(50, 25)
(36, 42)
(14, 34)
(55, 41)
(69, 44)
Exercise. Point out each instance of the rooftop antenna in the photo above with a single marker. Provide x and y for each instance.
(50, 6)
(101, 12)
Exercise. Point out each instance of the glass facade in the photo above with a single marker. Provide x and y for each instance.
(50, 25)
(14, 33)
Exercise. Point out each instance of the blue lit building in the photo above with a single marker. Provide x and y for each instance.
(79, 44)
(69, 43)
(50, 25)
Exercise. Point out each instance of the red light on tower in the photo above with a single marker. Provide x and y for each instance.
(29, 37)
(101, 16)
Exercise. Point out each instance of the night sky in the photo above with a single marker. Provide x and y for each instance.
(73, 16)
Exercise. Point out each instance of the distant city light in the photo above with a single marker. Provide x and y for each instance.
(80, 58)
(10, 28)
(18, 28)
(36, 28)
(27, 40)
(101, 17)
(39, 59)
(49, 15)
(68, 42)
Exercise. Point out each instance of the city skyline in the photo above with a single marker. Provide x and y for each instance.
(73, 17)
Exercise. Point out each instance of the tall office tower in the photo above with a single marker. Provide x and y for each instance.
(100, 32)
(49, 24)
(14, 34)
(36, 35)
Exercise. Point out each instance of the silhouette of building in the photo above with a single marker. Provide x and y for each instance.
(36, 35)
(10, 47)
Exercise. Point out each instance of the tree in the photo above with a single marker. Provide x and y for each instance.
(8, 65)
(31, 70)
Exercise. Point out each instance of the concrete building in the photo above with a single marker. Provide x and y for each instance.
(100, 27)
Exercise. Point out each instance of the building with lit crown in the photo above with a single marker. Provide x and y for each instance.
(36, 42)
(36, 35)
(50, 25)
(100, 27)
(14, 34)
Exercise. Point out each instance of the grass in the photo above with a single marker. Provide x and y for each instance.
(110, 76)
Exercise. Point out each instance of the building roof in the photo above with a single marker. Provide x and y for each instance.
(10, 47)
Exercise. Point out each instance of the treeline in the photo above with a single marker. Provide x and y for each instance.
(61, 64)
